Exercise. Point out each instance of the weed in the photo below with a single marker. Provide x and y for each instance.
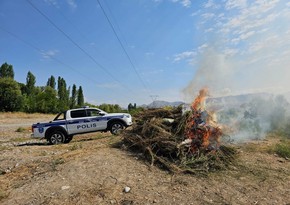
(283, 149)
(21, 129)
(56, 162)
(113, 140)
(75, 147)
(3, 194)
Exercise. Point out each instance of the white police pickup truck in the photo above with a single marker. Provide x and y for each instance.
(80, 121)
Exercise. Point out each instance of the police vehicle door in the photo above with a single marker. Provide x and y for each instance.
(78, 122)
(98, 122)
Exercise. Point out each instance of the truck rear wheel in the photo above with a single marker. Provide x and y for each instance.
(56, 137)
(116, 127)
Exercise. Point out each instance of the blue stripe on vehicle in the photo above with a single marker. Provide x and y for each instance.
(41, 125)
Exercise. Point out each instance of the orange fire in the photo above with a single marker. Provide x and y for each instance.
(201, 128)
(199, 102)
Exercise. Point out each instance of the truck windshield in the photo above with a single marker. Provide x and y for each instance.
(60, 116)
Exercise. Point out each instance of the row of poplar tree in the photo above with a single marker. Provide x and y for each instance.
(54, 97)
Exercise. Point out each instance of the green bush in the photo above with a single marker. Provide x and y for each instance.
(283, 149)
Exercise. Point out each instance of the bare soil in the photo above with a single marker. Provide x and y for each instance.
(90, 170)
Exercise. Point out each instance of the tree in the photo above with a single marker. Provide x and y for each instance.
(6, 71)
(51, 82)
(130, 107)
(30, 101)
(80, 98)
(63, 94)
(46, 101)
(22, 87)
(117, 108)
(73, 97)
(10, 95)
(133, 109)
(30, 83)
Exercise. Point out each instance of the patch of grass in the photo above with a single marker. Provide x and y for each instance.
(102, 136)
(281, 134)
(283, 149)
(3, 194)
(255, 147)
(76, 146)
(114, 140)
(250, 147)
(56, 162)
(250, 171)
(21, 129)
(2, 148)
(18, 115)
(19, 139)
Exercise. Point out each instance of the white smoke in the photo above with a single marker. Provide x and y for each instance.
(247, 49)
(248, 52)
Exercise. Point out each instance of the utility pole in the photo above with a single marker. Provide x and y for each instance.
(154, 98)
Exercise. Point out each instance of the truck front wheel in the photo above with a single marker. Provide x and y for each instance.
(56, 137)
(116, 127)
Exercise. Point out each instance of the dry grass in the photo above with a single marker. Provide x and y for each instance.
(282, 148)
(22, 115)
(19, 117)
(98, 173)
(257, 146)
(21, 129)
(3, 194)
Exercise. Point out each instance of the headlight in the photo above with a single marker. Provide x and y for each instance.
(127, 116)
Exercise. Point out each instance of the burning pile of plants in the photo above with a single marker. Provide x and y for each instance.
(181, 141)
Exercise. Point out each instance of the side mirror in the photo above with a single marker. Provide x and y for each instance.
(102, 113)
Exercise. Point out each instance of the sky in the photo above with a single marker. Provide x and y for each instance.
(137, 51)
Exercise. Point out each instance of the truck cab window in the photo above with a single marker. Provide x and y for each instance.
(78, 113)
(93, 113)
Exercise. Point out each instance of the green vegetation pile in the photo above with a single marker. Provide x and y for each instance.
(159, 134)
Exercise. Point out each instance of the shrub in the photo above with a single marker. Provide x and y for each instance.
(20, 129)
(283, 149)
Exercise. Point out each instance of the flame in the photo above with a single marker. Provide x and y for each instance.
(199, 102)
(201, 127)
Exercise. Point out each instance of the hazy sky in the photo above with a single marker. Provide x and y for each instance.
(169, 48)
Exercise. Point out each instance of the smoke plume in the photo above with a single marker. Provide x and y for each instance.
(249, 55)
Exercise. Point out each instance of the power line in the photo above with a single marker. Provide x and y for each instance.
(41, 51)
(154, 97)
(53, 58)
(120, 42)
(78, 46)
(80, 32)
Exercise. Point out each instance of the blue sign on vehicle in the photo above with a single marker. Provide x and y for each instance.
(41, 130)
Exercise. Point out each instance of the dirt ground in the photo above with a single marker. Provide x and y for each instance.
(89, 170)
